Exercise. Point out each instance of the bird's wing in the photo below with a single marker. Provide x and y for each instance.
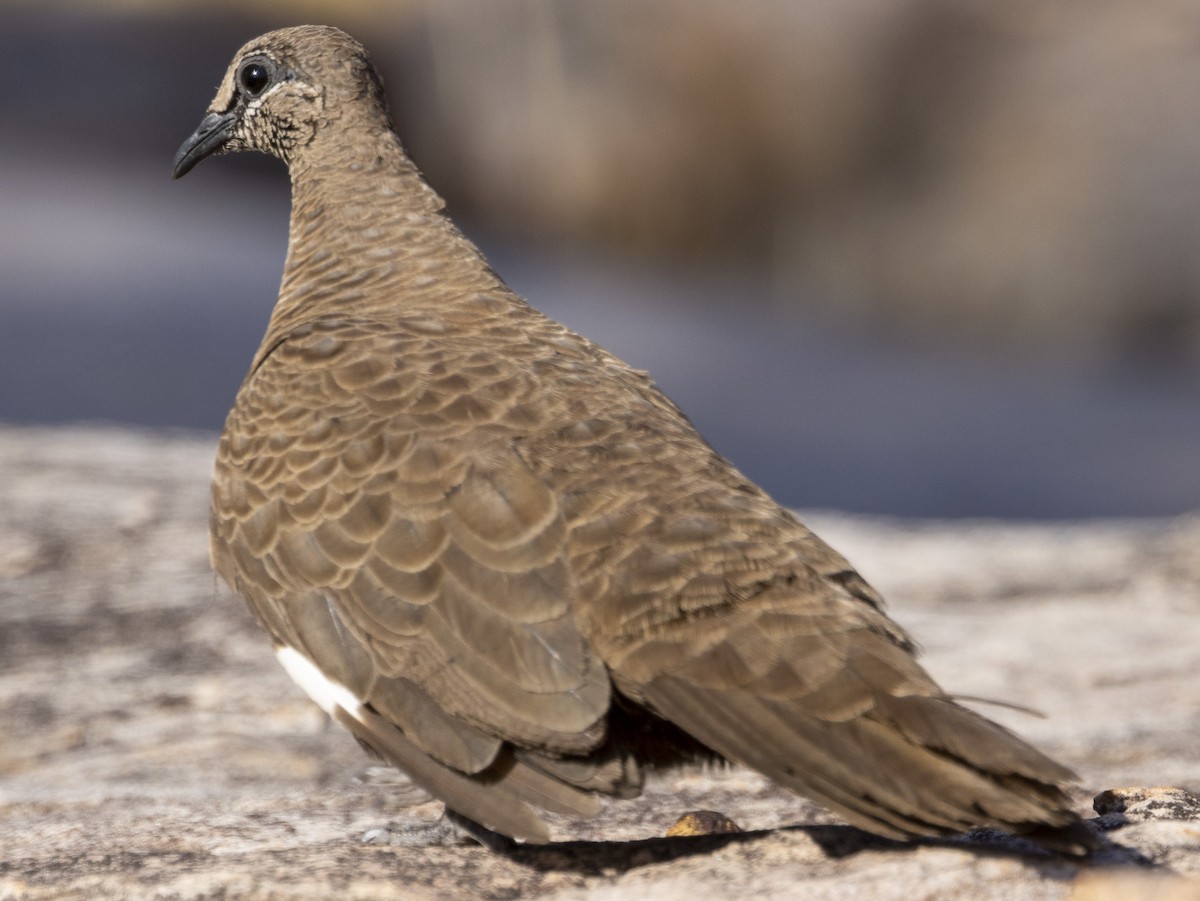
(723, 614)
(805, 680)
(420, 568)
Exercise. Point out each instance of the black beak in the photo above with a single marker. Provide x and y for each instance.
(209, 137)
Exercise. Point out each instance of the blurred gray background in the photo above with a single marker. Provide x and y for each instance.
(913, 257)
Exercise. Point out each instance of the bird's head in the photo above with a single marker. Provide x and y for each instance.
(281, 90)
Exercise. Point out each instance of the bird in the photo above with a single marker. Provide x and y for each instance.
(507, 562)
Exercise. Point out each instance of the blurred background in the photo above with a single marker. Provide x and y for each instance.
(911, 257)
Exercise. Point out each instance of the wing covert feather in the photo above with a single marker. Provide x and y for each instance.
(442, 556)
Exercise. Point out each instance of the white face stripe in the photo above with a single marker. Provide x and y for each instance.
(253, 103)
(330, 696)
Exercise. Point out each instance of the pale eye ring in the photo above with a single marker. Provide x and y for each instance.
(254, 78)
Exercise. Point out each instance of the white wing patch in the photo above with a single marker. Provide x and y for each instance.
(329, 695)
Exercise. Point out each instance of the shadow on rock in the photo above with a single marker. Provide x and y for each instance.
(596, 858)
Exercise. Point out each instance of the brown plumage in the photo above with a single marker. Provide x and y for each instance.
(529, 575)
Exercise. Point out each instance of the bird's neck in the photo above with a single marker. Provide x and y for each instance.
(368, 236)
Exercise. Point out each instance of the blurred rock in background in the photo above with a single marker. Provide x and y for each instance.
(1025, 175)
(929, 257)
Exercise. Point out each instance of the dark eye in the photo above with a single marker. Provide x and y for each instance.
(254, 77)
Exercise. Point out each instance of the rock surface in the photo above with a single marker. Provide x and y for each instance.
(151, 747)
